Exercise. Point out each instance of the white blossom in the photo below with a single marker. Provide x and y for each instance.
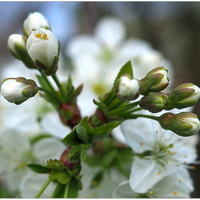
(43, 48)
(17, 152)
(175, 185)
(165, 152)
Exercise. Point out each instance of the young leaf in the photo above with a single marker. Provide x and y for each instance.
(72, 188)
(62, 177)
(97, 179)
(39, 168)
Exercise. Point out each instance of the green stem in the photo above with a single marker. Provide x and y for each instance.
(50, 94)
(43, 188)
(66, 191)
(54, 93)
(142, 115)
(56, 80)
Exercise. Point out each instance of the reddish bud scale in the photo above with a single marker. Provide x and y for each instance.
(66, 160)
(69, 114)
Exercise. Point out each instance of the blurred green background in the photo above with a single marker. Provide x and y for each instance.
(171, 27)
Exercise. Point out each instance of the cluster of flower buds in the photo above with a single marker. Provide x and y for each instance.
(38, 47)
(183, 96)
(129, 89)
(183, 124)
(18, 90)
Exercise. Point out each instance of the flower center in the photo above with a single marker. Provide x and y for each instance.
(41, 36)
(162, 154)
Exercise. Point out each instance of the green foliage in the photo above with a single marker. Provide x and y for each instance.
(39, 168)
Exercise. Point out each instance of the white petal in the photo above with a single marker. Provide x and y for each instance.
(48, 148)
(52, 124)
(83, 45)
(178, 185)
(111, 31)
(124, 190)
(139, 134)
(32, 183)
(145, 174)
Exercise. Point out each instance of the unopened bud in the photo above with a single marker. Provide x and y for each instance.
(34, 21)
(155, 81)
(185, 95)
(154, 102)
(18, 90)
(126, 88)
(43, 47)
(69, 114)
(17, 46)
(16, 43)
(183, 124)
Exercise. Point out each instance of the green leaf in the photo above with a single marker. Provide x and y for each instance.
(39, 168)
(72, 139)
(102, 131)
(62, 177)
(109, 158)
(97, 179)
(83, 129)
(59, 191)
(72, 188)
(126, 69)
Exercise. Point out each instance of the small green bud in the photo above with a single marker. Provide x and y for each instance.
(185, 95)
(183, 124)
(155, 81)
(18, 90)
(154, 102)
(127, 88)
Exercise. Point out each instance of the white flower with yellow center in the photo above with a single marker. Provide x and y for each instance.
(159, 153)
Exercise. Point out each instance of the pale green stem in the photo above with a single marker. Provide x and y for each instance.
(43, 188)
(145, 116)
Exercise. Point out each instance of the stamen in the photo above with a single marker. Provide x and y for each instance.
(38, 35)
(175, 193)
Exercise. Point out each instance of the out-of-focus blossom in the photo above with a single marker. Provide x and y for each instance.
(110, 181)
(105, 52)
(17, 152)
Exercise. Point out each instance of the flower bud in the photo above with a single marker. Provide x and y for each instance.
(16, 43)
(33, 22)
(43, 47)
(155, 81)
(17, 46)
(69, 114)
(154, 102)
(18, 90)
(126, 88)
(183, 124)
(185, 95)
